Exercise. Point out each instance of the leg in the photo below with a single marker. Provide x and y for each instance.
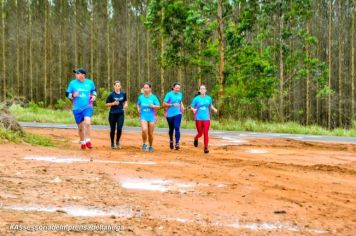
(151, 128)
(120, 123)
(81, 132)
(87, 122)
(144, 127)
(112, 123)
(199, 125)
(177, 122)
(170, 121)
(206, 133)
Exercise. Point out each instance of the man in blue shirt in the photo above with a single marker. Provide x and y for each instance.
(82, 92)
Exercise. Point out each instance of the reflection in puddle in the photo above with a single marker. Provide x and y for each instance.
(55, 159)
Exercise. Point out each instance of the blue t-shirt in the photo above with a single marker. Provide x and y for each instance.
(121, 98)
(202, 104)
(85, 89)
(147, 113)
(173, 98)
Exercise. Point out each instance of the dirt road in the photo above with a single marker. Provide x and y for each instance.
(244, 186)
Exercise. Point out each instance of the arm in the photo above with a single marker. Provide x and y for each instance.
(213, 108)
(110, 102)
(138, 108)
(182, 106)
(93, 93)
(69, 92)
(165, 101)
(167, 104)
(155, 104)
(192, 106)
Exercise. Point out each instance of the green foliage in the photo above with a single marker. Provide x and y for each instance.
(17, 137)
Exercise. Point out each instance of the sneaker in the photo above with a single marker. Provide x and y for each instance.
(206, 150)
(89, 145)
(83, 146)
(113, 146)
(144, 147)
(195, 142)
(177, 146)
(118, 145)
(171, 145)
(150, 149)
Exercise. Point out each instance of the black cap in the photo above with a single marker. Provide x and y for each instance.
(80, 71)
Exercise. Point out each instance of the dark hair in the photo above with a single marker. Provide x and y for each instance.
(147, 83)
(175, 84)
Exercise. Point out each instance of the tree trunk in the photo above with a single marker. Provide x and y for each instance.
(17, 49)
(3, 49)
(45, 53)
(108, 48)
(340, 61)
(148, 55)
(329, 62)
(92, 25)
(281, 69)
(221, 39)
(307, 96)
(353, 62)
(162, 62)
(128, 53)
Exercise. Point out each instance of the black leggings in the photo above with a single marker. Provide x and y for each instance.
(116, 122)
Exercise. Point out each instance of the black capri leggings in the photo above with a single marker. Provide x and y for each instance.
(116, 121)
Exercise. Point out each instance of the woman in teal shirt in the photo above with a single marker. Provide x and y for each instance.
(147, 104)
(201, 106)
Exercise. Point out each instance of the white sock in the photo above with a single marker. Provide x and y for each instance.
(82, 142)
(87, 140)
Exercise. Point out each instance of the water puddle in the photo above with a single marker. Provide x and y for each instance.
(160, 185)
(77, 211)
(257, 151)
(264, 226)
(56, 159)
(234, 140)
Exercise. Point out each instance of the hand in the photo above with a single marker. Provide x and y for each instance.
(115, 103)
(125, 106)
(194, 110)
(92, 98)
(215, 110)
(176, 104)
(75, 94)
(150, 105)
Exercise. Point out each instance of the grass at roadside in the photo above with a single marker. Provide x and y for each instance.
(8, 136)
(64, 116)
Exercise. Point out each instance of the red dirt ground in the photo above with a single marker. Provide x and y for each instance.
(234, 190)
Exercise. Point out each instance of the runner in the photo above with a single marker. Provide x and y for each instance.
(82, 92)
(117, 101)
(147, 104)
(201, 106)
(174, 109)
